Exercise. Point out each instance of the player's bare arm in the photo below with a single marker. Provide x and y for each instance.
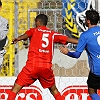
(72, 40)
(22, 37)
(63, 50)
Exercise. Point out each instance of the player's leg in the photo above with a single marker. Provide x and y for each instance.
(15, 89)
(93, 94)
(93, 84)
(23, 79)
(91, 90)
(47, 80)
(54, 91)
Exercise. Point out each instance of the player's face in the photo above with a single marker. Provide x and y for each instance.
(37, 23)
(86, 22)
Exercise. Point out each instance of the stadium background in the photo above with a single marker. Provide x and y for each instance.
(21, 14)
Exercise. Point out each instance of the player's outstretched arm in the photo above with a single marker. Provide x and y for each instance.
(72, 40)
(65, 51)
(22, 37)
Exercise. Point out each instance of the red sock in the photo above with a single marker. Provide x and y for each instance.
(11, 95)
(58, 96)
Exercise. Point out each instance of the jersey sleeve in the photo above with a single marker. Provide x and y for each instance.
(82, 43)
(59, 38)
(74, 54)
(29, 32)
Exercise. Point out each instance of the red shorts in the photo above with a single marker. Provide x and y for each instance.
(28, 76)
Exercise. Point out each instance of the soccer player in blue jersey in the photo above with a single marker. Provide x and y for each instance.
(90, 41)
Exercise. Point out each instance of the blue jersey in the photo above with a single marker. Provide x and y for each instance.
(90, 41)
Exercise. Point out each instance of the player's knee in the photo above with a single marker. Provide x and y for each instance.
(91, 90)
(16, 88)
(53, 89)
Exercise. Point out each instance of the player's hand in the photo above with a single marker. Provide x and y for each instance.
(63, 50)
(14, 41)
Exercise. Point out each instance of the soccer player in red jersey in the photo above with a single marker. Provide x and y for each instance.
(39, 63)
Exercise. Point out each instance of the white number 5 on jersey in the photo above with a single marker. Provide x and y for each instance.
(45, 39)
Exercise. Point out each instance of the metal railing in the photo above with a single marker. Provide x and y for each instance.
(45, 10)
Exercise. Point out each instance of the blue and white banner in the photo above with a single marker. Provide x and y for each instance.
(73, 13)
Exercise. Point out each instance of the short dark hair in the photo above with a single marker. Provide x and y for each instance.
(43, 18)
(93, 16)
(0, 3)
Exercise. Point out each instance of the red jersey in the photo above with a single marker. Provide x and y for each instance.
(41, 46)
